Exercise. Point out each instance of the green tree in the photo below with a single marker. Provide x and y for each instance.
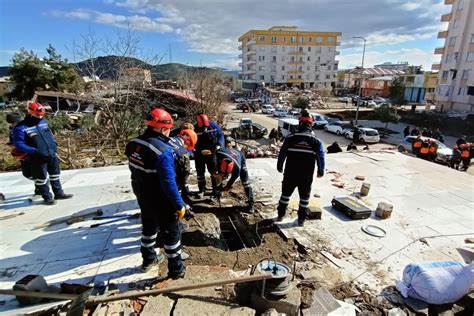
(415, 70)
(397, 91)
(387, 114)
(62, 76)
(299, 102)
(28, 73)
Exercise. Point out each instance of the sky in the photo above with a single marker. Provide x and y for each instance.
(205, 32)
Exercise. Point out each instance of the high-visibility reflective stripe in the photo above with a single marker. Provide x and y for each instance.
(149, 237)
(302, 151)
(41, 181)
(284, 197)
(147, 144)
(131, 164)
(173, 255)
(171, 247)
(312, 135)
(305, 201)
(304, 204)
(148, 245)
(284, 202)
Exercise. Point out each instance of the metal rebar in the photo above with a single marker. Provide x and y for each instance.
(237, 232)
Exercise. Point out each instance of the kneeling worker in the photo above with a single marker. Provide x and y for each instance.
(231, 161)
(152, 167)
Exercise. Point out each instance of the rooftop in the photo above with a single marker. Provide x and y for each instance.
(376, 71)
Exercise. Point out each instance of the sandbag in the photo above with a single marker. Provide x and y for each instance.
(436, 282)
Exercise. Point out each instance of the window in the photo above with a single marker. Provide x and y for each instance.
(470, 56)
(282, 58)
(316, 68)
(318, 49)
(465, 74)
(309, 48)
(302, 39)
(274, 39)
(328, 77)
(335, 66)
(283, 48)
(308, 67)
(300, 68)
(261, 68)
(293, 39)
(317, 77)
(282, 77)
(470, 90)
(274, 49)
(310, 39)
(472, 38)
(299, 77)
(284, 38)
(262, 38)
(282, 67)
(307, 77)
(273, 68)
(262, 48)
(459, 91)
(261, 58)
(331, 39)
(460, 4)
(329, 67)
(330, 49)
(262, 77)
(291, 76)
(292, 58)
(318, 59)
(300, 59)
(309, 58)
(455, 24)
(319, 39)
(292, 49)
(300, 49)
(274, 58)
(452, 41)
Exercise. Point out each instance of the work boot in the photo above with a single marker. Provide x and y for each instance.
(301, 222)
(280, 218)
(146, 266)
(49, 201)
(37, 192)
(184, 255)
(62, 196)
(178, 275)
(251, 209)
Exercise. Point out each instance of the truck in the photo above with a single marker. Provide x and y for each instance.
(287, 126)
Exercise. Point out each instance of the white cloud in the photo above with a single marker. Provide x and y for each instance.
(414, 56)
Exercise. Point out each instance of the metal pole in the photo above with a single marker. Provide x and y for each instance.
(360, 81)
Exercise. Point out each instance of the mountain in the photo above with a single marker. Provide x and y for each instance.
(4, 71)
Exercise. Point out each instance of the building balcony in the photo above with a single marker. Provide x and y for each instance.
(337, 53)
(250, 52)
(296, 63)
(296, 53)
(251, 62)
(446, 17)
(295, 80)
(439, 51)
(295, 72)
(240, 55)
(248, 72)
(240, 47)
(338, 43)
(436, 67)
(240, 64)
(443, 34)
(251, 42)
(448, 2)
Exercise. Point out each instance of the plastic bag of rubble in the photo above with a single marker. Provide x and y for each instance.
(436, 282)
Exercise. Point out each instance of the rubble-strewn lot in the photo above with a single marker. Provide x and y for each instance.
(430, 201)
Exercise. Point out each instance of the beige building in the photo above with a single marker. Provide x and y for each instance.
(284, 55)
(137, 76)
(6, 86)
(455, 90)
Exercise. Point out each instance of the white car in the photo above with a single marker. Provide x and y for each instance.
(280, 112)
(267, 109)
(343, 99)
(371, 104)
(335, 127)
(367, 135)
(443, 154)
(319, 121)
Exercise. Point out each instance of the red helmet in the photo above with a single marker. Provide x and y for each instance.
(159, 118)
(202, 120)
(190, 138)
(226, 166)
(36, 108)
(306, 118)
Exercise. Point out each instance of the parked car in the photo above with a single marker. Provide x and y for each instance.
(343, 99)
(335, 127)
(368, 135)
(443, 154)
(287, 126)
(370, 104)
(294, 114)
(280, 112)
(240, 100)
(245, 121)
(319, 121)
(267, 109)
(248, 130)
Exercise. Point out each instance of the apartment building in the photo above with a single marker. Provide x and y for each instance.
(455, 90)
(286, 55)
(400, 66)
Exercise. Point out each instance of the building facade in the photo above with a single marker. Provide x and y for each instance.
(400, 66)
(283, 55)
(455, 90)
(377, 87)
(354, 77)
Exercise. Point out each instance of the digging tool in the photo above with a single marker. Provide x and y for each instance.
(69, 219)
(137, 215)
(191, 215)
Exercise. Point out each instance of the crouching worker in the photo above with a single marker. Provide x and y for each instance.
(231, 161)
(152, 165)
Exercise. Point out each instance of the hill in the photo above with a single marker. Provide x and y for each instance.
(4, 70)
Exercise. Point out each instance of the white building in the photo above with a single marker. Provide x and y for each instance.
(285, 55)
(455, 91)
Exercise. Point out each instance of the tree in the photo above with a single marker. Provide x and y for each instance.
(62, 76)
(397, 91)
(28, 73)
(415, 70)
(386, 114)
(300, 102)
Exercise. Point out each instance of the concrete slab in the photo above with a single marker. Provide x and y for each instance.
(186, 306)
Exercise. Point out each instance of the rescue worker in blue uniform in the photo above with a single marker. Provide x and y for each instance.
(153, 177)
(33, 136)
(231, 161)
(210, 139)
(301, 150)
(183, 144)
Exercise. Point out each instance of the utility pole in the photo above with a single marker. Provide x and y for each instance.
(171, 57)
(360, 80)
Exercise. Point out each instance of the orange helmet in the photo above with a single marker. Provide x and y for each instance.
(36, 108)
(306, 118)
(159, 118)
(189, 137)
(202, 120)
(226, 166)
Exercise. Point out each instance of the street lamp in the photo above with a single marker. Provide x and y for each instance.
(361, 77)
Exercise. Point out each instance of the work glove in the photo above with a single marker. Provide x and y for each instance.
(188, 213)
(180, 213)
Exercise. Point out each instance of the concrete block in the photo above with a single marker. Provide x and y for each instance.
(158, 305)
(289, 304)
(201, 306)
(315, 213)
